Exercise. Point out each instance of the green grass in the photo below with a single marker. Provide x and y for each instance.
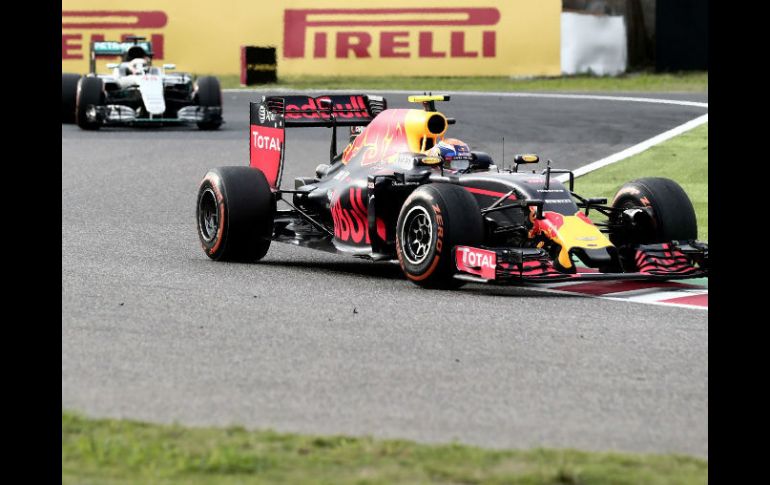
(127, 452)
(683, 158)
(640, 81)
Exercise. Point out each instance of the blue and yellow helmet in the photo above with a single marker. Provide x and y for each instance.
(448, 148)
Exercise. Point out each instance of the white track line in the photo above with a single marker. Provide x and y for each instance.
(651, 294)
(661, 303)
(638, 148)
(557, 291)
(659, 295)
(592, 97)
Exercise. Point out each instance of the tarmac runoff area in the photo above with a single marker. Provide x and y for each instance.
(316, 343)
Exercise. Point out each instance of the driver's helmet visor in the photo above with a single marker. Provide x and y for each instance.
(139, 67)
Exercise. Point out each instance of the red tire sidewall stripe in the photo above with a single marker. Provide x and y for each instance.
(439, 221)
(213, 180)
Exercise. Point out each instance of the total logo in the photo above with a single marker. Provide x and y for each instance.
(476, 258)
(476, 261)
(265, 142)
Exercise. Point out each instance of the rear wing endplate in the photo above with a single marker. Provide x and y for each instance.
(269, 118)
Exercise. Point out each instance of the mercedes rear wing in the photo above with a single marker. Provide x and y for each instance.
(111, 48)
(269, 118)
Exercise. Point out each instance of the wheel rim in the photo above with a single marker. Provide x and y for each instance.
(641, 235)
(208, 215)
(417, 235)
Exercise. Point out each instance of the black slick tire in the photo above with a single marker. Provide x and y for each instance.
(209, 94)
(433, 220)
(89, 93)
(673, 216)
(235, 211)
(69, 93)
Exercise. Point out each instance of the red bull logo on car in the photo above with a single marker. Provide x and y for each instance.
(350, 217)
(355, 108)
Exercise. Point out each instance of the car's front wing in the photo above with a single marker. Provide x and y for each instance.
(120, 115)
(653, 262)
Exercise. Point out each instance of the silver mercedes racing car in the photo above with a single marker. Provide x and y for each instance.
(136, 93)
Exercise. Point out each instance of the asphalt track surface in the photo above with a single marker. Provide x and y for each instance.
(311, 342)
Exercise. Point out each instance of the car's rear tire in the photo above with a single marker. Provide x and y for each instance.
(433, 220)
(69, 94)
(673, 216)
(90, 93)
(235, 211)
(210, 95)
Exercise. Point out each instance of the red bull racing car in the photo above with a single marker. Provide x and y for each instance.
(402, 190)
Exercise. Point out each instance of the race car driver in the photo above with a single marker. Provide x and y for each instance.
(457, 156)
(448, 148)
(139, 66)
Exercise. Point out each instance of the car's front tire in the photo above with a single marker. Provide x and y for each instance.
(90, 92)
(433, 220)
(235, 213)
(209, 94)
(672, 214)
(69, 94)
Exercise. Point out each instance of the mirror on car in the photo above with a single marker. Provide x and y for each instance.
(526, 158)
(325, 104)
(169, 66)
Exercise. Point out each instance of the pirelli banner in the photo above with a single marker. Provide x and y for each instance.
(329, 37)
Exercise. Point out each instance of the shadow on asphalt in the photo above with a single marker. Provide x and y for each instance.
(389, 271)
(509, 291)
(363, 268)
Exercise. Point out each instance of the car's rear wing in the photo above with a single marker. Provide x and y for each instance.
(273, 114)
(306, 111)
(109, 48)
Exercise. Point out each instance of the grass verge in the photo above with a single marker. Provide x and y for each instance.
(683, 159)
(641, 82)
(103, 451)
